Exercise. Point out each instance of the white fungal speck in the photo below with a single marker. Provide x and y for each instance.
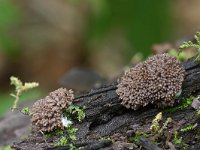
(65, 121)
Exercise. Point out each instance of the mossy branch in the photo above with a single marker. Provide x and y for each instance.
(20, 88)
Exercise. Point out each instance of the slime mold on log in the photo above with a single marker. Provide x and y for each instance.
(47, 113)
(156, 80)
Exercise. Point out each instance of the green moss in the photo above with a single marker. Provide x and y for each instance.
(66, 140)
(68, 134)
(179, 141)
(137, 136)
(62, 142)
(198, 112)
(76, 111)
(182, 105)
(187, 128)
(176, 138)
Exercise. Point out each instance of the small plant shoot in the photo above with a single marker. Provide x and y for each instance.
(189, 127)
(66, 140)
(155, 123)
(26, 111)
(20, 88)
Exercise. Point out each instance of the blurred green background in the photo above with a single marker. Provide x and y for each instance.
(42, 40)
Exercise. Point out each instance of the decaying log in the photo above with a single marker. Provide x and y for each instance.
(105, 116)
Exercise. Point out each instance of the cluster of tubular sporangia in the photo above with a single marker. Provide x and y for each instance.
(157, 81)
(46, 113)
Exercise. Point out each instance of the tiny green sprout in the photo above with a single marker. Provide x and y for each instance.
(189, 127)
(190, 44)
(155, 127)
(179, 140)
(160, 131)
(198, 112)
(65, 140)
(169, 120)
(176, 139)
(20, 88)
(62, 142)
(71, 132)
(137, 137)
(140, 147)
(72, 147)
(26, 111)
(187, 102)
